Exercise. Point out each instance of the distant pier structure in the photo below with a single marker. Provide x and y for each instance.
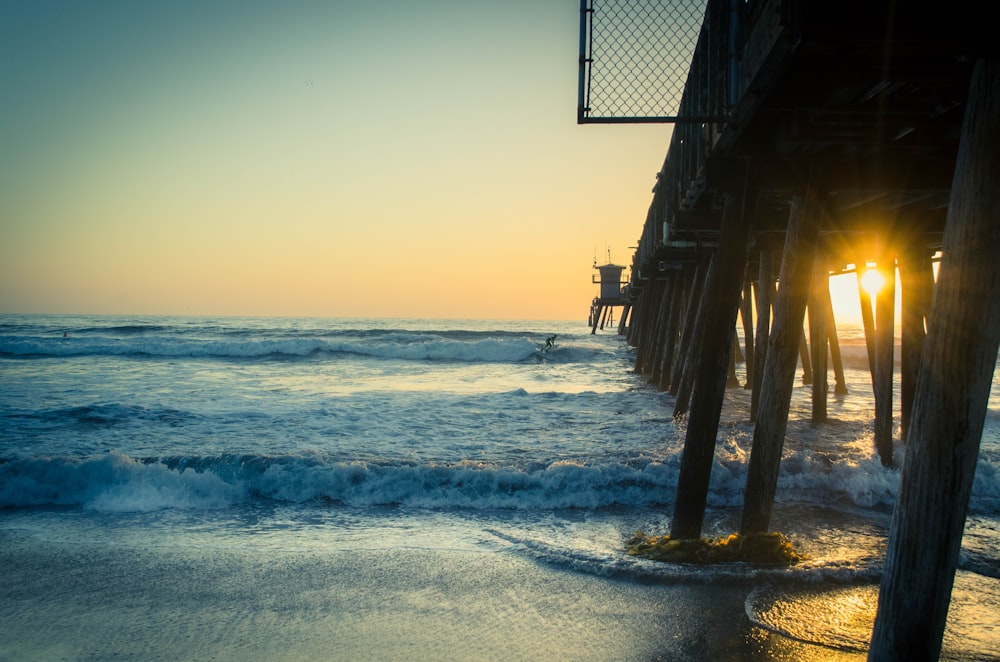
(812, 138)
(614, 292)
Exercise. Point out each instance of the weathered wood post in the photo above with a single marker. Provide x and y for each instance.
(885, 314)
(818, 338)
(916, 278)
(642, 328)
(663, 321)
(688, 376)
(765, 295)
(952, 394)
(838, 361)
(867, 318)
(807, 375)
(653, 349)
(623, 322)
(632, 337)
(595, 317)
(690, 319)
(779, 371)
(734, 357)
(746, 315)
(655, 287)
(673, 323)
(722, 292)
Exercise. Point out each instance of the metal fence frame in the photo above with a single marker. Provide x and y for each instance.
(637, 58)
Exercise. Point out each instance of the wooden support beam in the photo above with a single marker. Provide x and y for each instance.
(641, 326)
(645, 310)
(765, 295)
(746, 316)
(696, 330)
(732, 381)
(916, 279)
(673, 322)
(807, 372)
(633, 329)
(693, 297)
(885, 314)
(779, 371)
(867, 318)
(835, 356)
(623, 322)
(595, 317)
(952, 396)
(656, 367)
(818, 338)
(722, 296)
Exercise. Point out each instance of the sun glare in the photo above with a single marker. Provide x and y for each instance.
(872, 281)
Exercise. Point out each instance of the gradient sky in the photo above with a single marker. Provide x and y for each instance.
(391, 159)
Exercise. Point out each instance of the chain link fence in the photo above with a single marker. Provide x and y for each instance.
(634, 58)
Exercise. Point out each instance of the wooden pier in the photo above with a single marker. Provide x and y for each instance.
(814, 138)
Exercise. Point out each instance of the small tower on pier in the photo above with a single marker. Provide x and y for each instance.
(614, 292)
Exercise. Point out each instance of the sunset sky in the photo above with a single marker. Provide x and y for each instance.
(392, 159)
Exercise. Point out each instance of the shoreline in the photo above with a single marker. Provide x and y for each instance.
(229, 603)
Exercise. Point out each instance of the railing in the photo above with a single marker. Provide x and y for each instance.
(634, 58)
(672, 61)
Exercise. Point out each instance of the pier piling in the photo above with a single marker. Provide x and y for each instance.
(819, 338)
(765, 297)
(779, 372)
(885, 314)
(718, 313)
(951, 398)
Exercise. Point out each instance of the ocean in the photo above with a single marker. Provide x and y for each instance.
(184, 488)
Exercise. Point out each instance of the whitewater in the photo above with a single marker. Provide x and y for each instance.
(264, 488)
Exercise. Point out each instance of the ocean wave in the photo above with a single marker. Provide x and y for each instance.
(383, 346)
(848, 478)
(116, 482)
(104, 414)
(123, 329)
(614, 563)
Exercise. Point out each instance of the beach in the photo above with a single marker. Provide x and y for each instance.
(391, 597)
(287, 489)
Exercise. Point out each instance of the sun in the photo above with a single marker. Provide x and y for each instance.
(872, 281)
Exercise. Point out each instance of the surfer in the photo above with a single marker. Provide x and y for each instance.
(550, 342)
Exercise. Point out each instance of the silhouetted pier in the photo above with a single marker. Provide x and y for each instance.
(812, 139)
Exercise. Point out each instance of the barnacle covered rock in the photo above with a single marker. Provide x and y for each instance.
(757, 548)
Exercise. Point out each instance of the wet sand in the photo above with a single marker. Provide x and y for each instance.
(101, 600)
